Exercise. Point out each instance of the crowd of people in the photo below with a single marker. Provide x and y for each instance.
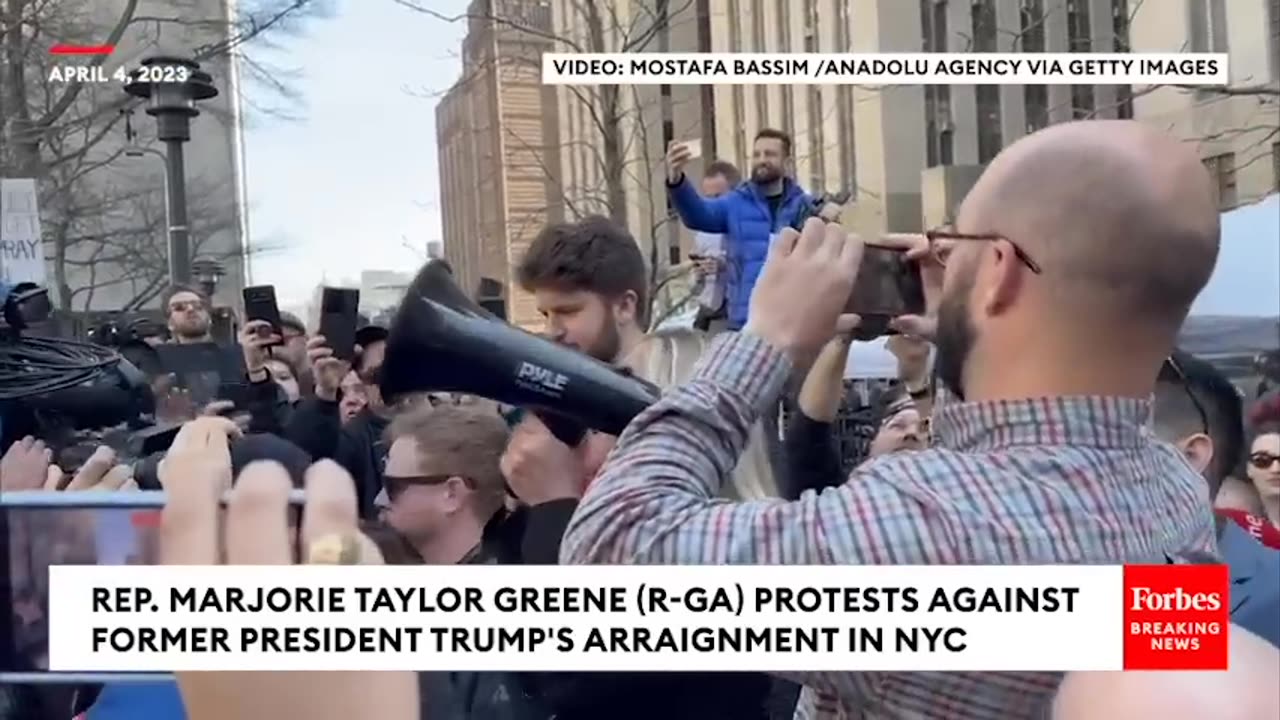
(1041, 415)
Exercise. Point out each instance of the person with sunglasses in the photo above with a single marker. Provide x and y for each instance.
(187, 315)
(442, 485)
(1263, 468)
(1200, 412)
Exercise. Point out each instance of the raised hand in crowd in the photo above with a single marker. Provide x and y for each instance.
(822, 389)
(539, 468)
(707, 265)
(326, 369)
(25, 465)
(803, 288)
(196, 473)
(256, 339)
(678, 156)
(173, 403)
(930, 257)
(101, 472)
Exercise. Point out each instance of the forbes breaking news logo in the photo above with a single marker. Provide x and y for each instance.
(1176, 617)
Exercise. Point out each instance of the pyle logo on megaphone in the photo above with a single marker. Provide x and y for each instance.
(541, 379)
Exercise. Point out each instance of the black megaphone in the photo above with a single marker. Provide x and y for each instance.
(442, 341)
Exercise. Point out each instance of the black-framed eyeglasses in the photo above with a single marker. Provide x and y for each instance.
(1180, 376)
(942, 252)
(397, 484)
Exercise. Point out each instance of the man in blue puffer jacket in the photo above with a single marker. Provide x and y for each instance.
(749, 216)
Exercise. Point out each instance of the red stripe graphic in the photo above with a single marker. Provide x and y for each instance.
(82, 49)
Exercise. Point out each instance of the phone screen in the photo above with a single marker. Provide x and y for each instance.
(260, 304)
(42, 537)
(888, 286)
(42, 529)
(339, 309)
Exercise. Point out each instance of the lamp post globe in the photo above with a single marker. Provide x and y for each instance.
(172, 86)
(208, 273)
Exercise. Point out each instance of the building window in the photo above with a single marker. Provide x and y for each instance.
(758, 39)
(987, 97)
(784, 45)
(811, 26)
(739, 99)
(1275, 162)
(1035, 98)
(1273, 9)
(1120, 44)
(937, 98)
(1080, 40)
(1207, 25)
(1222, 168)
(818, 143)
(845, 108)
(740, 124)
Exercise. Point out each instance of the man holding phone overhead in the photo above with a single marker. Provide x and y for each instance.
(749, 216)
(317, 426)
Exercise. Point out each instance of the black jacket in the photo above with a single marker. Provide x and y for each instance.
(812, 457)
(461, 695)
(316, 427)
(269, 408)
(533, 533)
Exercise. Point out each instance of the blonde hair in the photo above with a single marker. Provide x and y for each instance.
(666, 358)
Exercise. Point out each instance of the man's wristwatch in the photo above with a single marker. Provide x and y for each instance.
(260, 375)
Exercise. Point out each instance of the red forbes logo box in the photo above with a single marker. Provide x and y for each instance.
(1176, 617)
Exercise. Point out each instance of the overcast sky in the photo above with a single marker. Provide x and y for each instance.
(355, 181)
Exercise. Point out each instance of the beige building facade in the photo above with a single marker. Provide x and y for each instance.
(1238, 132)
(613, 139)
(499, 151)
(910, 153)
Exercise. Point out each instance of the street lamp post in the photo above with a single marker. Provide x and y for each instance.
(172, 86)
(208, 273)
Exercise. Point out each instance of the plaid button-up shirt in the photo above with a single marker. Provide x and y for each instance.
(1058, 480)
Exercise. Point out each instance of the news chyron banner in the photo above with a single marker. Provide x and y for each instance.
(638, 618)
(1139, 69)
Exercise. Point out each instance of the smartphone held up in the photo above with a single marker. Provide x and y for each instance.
(888, 285)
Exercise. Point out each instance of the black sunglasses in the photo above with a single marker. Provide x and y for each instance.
(396, 484)
(1263, 460)
(1180, 376)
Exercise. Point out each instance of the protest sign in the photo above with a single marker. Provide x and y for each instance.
(21, 250)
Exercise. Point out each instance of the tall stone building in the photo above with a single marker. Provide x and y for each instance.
(498, 137)
(102, 188)
(910, 153)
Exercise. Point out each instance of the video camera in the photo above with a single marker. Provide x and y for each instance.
(51, 387)
(23, 305)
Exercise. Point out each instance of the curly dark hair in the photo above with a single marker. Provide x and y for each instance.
(594, 254)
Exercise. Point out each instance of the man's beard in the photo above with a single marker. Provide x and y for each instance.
(955, 337)
(608, 342)
(765, 174)
(193, 330)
